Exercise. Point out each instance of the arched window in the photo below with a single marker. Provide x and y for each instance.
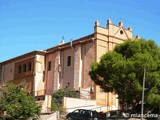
(29, 66)
(24, 67)
(19, 69)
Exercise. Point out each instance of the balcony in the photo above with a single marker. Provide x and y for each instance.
(41, 92)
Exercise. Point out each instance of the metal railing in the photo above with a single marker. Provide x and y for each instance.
(83, 95)
(41, 92)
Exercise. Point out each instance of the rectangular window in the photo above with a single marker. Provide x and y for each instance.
(69, 61)
(49, 65)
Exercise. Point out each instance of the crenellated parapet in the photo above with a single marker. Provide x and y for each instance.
(114, 30)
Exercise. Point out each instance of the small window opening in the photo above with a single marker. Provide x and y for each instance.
(49, 65)
(69, 61)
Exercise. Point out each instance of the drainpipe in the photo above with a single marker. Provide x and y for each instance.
(80, 68)
(62, 70)
(59, 70)
(74, 57)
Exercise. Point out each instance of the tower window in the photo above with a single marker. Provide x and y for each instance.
(121, 32)
(69, 61)
(49, 65)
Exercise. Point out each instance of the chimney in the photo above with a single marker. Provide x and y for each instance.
(62, 42)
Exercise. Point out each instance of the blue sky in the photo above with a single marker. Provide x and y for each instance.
(27, 25)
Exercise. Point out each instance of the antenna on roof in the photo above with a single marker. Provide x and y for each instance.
(62, 37)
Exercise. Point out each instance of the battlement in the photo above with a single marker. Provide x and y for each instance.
(113, 30)
(109, 23)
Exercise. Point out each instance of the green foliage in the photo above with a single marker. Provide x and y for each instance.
(57, 98)
(121, 71)
(17, 103)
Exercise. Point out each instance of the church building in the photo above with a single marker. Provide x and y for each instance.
(66, 65)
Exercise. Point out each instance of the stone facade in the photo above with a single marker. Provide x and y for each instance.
(66, 65)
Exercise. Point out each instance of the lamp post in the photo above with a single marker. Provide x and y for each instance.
(142, 104)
